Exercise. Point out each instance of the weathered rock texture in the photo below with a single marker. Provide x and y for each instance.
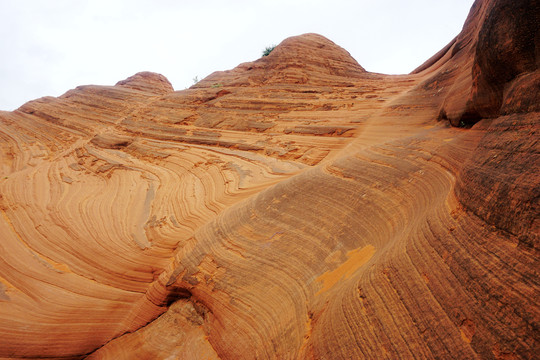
(295, 207)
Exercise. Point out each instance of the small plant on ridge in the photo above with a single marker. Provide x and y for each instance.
(268, 50)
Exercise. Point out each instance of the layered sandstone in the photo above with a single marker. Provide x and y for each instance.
(296, 207)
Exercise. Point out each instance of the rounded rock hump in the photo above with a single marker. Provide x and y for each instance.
(309, 59)
(148, 82)
(314, 52)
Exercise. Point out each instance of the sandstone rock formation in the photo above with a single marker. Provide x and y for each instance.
(295, 207)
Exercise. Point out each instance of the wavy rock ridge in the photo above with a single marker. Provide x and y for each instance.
(295, 207)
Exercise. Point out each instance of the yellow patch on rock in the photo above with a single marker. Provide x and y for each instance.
(355, 259)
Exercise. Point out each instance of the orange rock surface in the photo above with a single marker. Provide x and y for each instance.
(295, 207)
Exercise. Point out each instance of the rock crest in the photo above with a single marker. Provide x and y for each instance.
(148, 82)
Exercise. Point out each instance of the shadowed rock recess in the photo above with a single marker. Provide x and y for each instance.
(295, 207)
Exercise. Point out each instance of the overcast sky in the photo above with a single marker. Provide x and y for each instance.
(50, 46)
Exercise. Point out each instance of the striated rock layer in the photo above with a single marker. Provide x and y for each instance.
(295, 207)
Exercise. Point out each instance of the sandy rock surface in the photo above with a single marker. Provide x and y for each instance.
(295, 207)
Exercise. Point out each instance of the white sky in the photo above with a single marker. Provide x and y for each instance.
(50, 46)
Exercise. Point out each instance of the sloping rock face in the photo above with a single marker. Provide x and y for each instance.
(295, 207)
(499, 48)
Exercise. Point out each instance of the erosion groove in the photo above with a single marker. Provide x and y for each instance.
(295, 207)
